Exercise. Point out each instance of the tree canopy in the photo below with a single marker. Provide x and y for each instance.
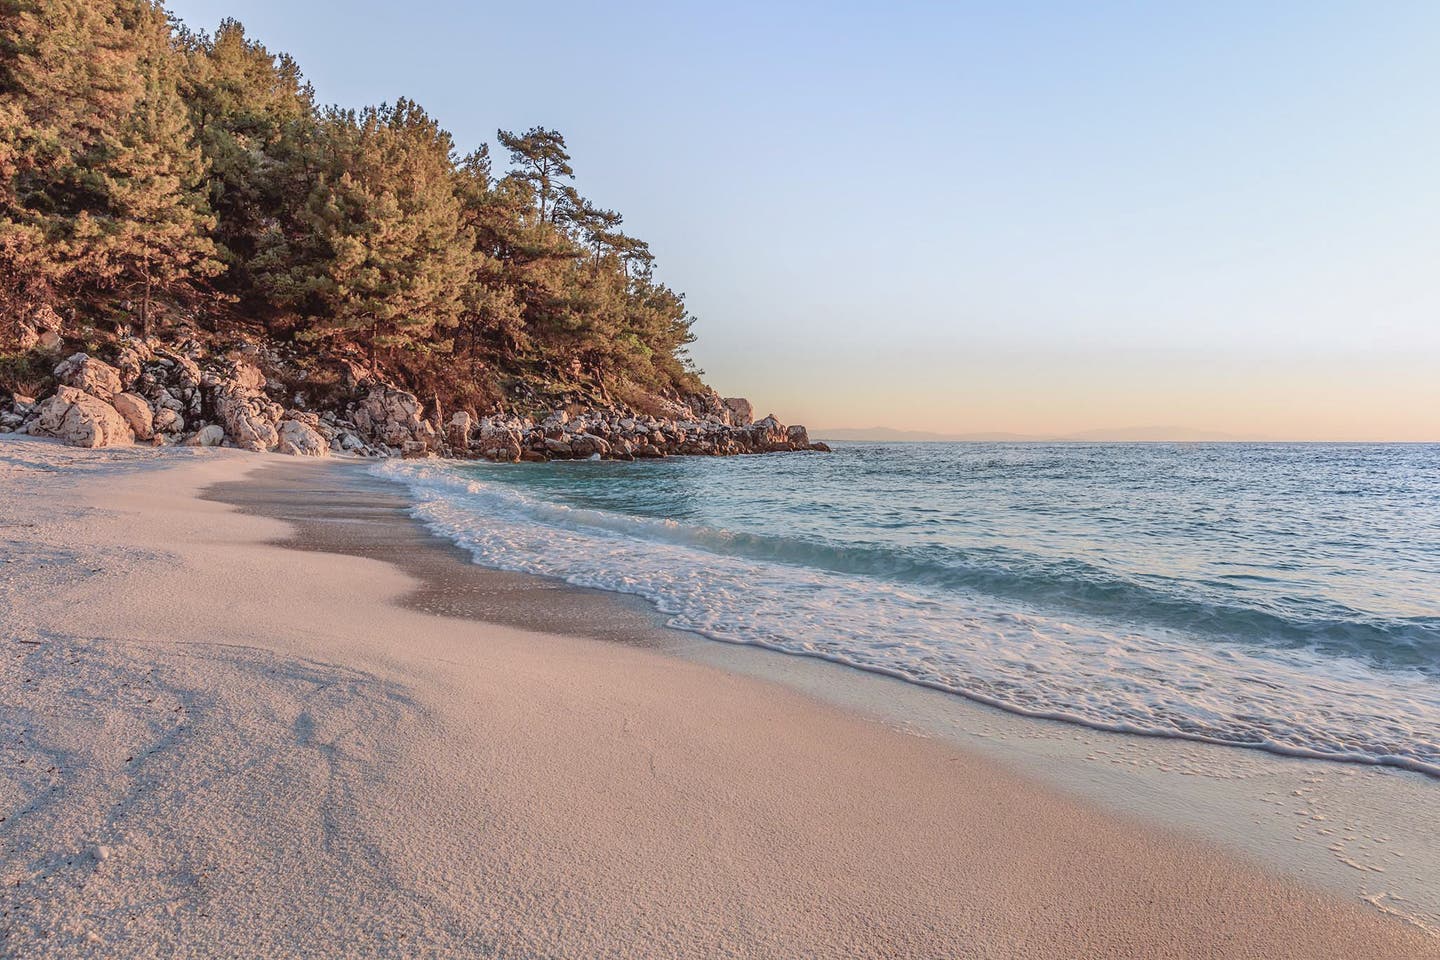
(149, 172)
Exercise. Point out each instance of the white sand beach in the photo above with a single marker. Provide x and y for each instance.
(214, 745)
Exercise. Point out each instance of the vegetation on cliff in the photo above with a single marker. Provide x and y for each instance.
(163, 182)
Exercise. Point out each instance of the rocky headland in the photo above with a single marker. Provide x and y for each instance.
(188, 394)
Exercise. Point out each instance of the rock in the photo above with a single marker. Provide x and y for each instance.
(167, 421)
(45, 318)
(247, 376)
(503, 447)
(558, 448)
(136, 411)
(248, 419)
(768, 435)
(584, 445)
(94, 377)
(22, 337)
(208, 436)
(26, 333)
(299, 439)
(49, 340)
(649, 451)
(81, 420)
(457, 431)
(390, 416)
(414, 450)
(742, 414)
(165, 400)
(820, 446)
(184, 371)
(131, 358)
(797, 437)
(533, 456)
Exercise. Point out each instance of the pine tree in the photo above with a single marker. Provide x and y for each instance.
(153, 176)
(101, 175)
(543, 162)
(253, 113)
(66, 78)
(136, 156)
(384, 256)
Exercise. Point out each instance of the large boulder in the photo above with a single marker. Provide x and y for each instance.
(457, 432)
(81, 420)
(301, 440)
(248, 418)
(585, 445)
(501, 441)
(391, 417)
(137, 413)
(768, 434)
(95, 377)
(211, 435)
(167, 420)
(741, 412)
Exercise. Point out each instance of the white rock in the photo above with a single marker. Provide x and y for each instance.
(81, 420)
(211, 436)
(136, 412)
(457, 431)
(391, 417)
(249, 418)
(95, 377)
(301, 440)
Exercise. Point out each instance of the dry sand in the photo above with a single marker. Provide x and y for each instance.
(217, 746)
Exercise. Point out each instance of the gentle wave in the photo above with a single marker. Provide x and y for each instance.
(1052, 649)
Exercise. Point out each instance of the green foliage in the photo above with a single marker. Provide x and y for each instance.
(102, 182)
(142, 164)
(379, 253)
(253, 116)
(28, 373)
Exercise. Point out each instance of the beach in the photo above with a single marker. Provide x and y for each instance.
(251, 708)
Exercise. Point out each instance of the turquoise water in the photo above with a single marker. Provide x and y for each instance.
(1278, 596)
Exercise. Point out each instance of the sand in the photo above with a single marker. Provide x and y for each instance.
(215, 745)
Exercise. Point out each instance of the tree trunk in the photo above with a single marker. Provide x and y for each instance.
(145, 307)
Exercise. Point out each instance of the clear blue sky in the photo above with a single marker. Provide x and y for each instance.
(1036, 217)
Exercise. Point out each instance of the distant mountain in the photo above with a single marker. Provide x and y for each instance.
(1161, 435)
(891, 435)
(1113, 435)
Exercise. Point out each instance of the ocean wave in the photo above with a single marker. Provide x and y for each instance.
(1114, 656)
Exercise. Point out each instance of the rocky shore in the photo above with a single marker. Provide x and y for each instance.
(164, 395)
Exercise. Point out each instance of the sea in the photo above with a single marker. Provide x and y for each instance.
(1278, 597)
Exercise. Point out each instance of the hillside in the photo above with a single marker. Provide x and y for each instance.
(174, 193)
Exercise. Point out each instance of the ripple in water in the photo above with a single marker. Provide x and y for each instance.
(1278, 596)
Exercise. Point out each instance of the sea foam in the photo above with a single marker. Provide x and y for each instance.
(1068, 638)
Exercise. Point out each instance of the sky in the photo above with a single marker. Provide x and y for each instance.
(1038, 218)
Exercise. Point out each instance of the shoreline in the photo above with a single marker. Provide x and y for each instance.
(426, 780)
(1188, 784)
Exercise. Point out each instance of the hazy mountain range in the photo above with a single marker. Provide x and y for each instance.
(1112, 435)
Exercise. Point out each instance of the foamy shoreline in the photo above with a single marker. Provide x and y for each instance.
(217, 746)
